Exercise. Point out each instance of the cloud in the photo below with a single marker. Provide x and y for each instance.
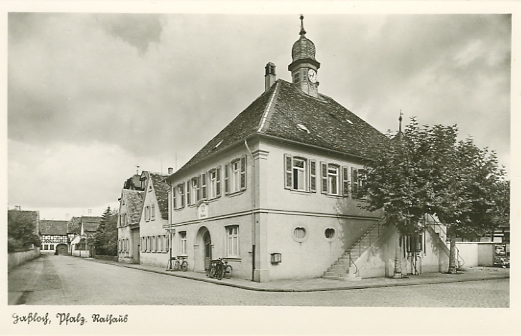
(92, 95)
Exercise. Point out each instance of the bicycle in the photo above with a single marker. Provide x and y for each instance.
(219, 268)
(177, 264)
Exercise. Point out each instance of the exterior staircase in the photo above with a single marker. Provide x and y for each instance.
(345, 267)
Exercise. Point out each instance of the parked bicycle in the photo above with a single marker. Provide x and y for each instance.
(177, 264)
(219, 268)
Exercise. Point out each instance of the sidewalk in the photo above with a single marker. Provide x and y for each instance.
(320, 284)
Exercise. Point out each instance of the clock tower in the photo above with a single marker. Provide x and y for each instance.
(304, 67)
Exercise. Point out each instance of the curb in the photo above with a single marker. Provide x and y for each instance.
(412, 282)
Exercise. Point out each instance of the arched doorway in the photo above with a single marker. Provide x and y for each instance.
(62, 249)
(203, 249)
(207, 239)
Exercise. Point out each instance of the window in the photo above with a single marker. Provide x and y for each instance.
(232, 242)
(182, 243)
(296, 77)
(45, 247)
(329, 233)
(153, 212)
(300, 173)
(179, 196)
(193, 191)
(214, 183)
(159, 243)
(334, 179)
(147, 213)
(358, 183)
(299, 233)
(166, 244)
(51, 247)
(235, 176)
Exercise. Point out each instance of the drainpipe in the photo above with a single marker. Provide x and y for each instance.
(253, 214)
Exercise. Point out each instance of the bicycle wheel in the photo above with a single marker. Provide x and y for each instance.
(211, 272)
(184, 266)
(219, 273)
(228, 271)
(176, 265)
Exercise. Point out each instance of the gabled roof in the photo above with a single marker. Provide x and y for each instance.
(134, 204)
(53, 227)
(90, 223)
(287, 113)
(161, 190)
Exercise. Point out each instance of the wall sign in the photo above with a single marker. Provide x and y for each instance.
(202, 211)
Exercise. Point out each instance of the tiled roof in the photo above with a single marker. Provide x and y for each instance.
(161, 189)
(134, 203)
(53, 227)
(90, 223)
(286, 113)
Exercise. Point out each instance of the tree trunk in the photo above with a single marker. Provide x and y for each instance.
(398, 260)
(453, 263)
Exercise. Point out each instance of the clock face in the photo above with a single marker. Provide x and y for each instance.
(312, 75)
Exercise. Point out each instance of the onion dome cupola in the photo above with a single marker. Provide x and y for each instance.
(304, 67)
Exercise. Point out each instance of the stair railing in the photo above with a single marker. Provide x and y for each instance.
(353, 263)
(458, 256)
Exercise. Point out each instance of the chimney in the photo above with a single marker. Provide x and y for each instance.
(270, 77)
(170, 170)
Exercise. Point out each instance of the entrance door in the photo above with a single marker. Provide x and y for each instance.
(61, 249)
(135, 246)
(207, 250)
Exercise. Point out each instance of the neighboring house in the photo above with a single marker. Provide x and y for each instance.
(53, 234)
(83, 230)
(275, 193)
(130, 208)
(154, 240)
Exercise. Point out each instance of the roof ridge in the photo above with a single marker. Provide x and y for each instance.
(269, 108)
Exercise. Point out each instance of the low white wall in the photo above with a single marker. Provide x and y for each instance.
(18, 258)
(81, 253)
(468, 251)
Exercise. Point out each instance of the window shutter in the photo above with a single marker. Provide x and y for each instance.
(218, 182)
(198, 188)
(203, 185)
(188, 192)
(323, 166)
(345, 180)
(243, 172)
(226, 179)
(313, 175)
(174, 199)
(182, 195)
(288, 176)
(354, 182)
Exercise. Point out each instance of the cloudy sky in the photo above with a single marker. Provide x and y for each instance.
(90, 96)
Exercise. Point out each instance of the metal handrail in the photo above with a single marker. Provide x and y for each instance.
(352, 262)
(458, 257)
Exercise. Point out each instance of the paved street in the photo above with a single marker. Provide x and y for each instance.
(64, 280)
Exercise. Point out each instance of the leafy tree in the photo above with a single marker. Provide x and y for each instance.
(106, 238)
(425, 170)
(400, 180)
(471, 204)
(21, 228)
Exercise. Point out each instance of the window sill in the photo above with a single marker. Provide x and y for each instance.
(301, 192)
(236, 193)
(233, 259)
